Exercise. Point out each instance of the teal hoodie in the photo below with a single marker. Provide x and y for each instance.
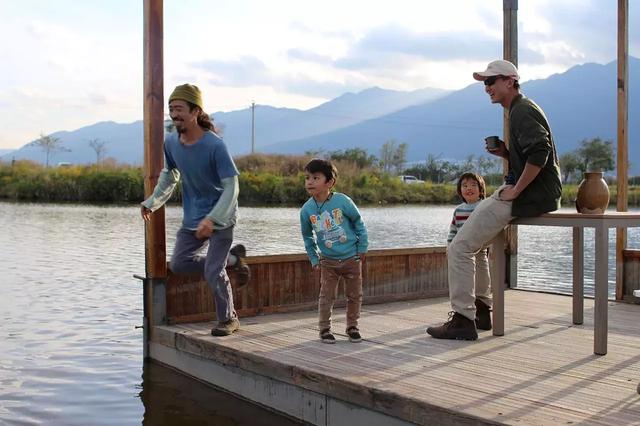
(333, 229)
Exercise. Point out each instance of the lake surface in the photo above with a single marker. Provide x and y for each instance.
(70, 352)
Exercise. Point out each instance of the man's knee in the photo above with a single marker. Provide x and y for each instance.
(179, 266)
(462, 247)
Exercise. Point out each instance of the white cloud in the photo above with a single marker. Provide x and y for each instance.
(67, 63)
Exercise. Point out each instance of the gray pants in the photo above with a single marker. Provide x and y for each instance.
(465, 259)
(187, 260)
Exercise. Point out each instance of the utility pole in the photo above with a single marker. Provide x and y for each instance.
(253, 127)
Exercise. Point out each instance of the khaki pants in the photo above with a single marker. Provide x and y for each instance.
(468, 268)
(350, 270)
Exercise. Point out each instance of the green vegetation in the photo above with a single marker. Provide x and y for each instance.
(279, 179)
(264, 180)
(25, 180)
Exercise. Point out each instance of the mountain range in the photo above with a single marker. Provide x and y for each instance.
(580, 104)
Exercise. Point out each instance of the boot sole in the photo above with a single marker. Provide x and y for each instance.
(466, 338)
(223, 333)
(470, 338)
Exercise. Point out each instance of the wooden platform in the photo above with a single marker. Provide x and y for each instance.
(541, 372)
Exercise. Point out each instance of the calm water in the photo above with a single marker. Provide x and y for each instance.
(70, 351)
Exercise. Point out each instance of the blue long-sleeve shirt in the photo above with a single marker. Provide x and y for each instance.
(333, 229)
(209, 181)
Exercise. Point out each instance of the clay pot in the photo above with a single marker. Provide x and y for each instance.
(593, 194)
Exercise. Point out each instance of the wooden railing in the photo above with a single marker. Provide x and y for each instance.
(631, 274)
(285, 283)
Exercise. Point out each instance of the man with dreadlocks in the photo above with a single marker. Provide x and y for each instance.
(197, 156)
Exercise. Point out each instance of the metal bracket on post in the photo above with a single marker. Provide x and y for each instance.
(154, 310)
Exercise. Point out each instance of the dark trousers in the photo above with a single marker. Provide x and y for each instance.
(186, 260)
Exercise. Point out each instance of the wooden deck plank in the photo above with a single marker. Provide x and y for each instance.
(542, 371)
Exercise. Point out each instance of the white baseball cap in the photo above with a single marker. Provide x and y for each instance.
(499, 67)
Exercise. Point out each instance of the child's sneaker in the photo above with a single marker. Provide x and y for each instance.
(326, 336)
(242, 270)
(354, 335)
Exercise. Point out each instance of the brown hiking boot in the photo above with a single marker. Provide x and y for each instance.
(483, 316)
(226, 328)
(242, 270)
(458, 327)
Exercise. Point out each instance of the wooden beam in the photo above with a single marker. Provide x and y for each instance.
(510, 53)
(155, 244)
(510, 30)
(622, 142)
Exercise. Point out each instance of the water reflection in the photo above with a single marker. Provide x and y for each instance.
(171, 398)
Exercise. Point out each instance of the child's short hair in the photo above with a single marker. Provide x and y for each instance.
(325, 167)
(479, 179)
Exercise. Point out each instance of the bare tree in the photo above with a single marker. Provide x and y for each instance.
(393, 156)
(386, 155)
(50, 145)
(487, 165)
(99, 147)
(400, 157)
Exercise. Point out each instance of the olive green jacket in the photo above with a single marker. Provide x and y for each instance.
(531, 141)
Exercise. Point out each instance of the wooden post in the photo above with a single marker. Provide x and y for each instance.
(498, 268)
(601, 290)
(510, 53)
(578, 275)
(623, 152)
(155, 244)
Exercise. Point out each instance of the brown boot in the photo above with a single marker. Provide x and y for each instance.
(458, 327)
(243, 272)
(226, 328)
(483, 316)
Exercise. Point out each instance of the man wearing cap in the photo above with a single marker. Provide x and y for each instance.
(198, 157)
(534, 188)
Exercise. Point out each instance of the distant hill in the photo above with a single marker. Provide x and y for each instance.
(280, 124)
(124, 143)
(580, 104)
(272, 125)
(5, 152)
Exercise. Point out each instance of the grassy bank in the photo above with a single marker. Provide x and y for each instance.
(28, 181)
(264, 180)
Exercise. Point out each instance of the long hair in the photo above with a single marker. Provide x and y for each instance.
(204, 120)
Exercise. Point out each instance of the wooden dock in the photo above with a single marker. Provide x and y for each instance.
(541, 372)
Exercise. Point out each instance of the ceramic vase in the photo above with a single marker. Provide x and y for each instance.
(593, 194)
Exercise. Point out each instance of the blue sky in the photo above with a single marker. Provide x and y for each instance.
(68, 64)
